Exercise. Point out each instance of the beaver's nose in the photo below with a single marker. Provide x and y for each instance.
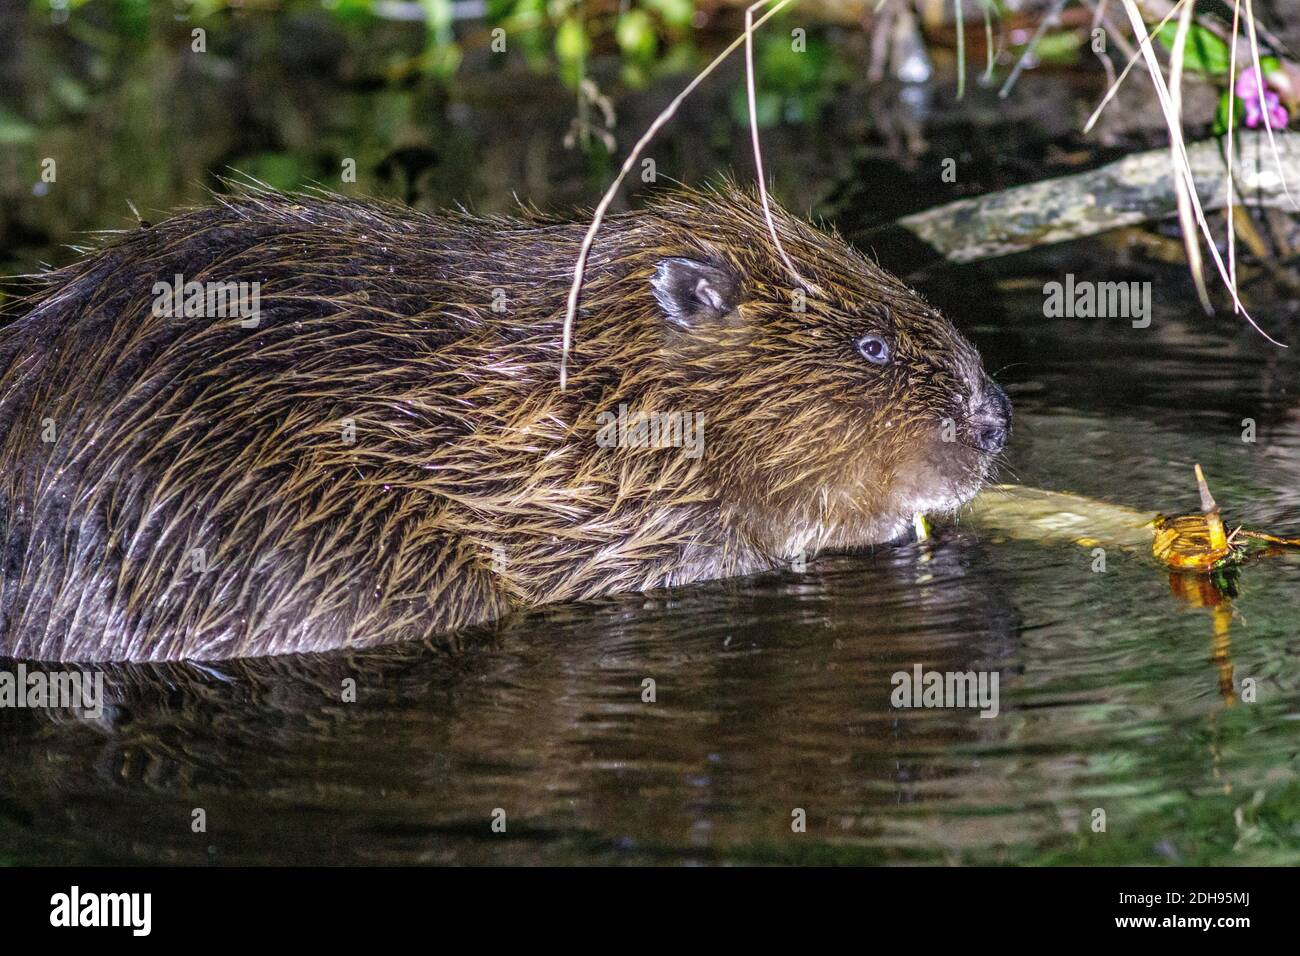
(991, 422)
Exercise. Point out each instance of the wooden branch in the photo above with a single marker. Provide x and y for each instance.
(1055, 518)
(1135, 189)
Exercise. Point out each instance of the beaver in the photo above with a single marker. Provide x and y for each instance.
(374, 447)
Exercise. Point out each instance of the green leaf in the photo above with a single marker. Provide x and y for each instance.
(1058, 48)
(440, 59)
(635, 33)
(131, 18)
(351, 11)
(1221, 114)
(1204, 53)
(14, 130)
(571, 41)
(438, 19)
(525, 21)
(783, 69)
(571, 48)
(675, 13)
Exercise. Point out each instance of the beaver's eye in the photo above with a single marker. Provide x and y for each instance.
(874, 349)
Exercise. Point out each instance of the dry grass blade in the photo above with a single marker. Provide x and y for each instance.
(1132, 60)
(1181, 165)
(1099, 23)
(1052, 18)
(1259, 91)
(1185, 218)
(758, 151)
(584, 250)
(1232, 143)
(961, 48)
(990, 55)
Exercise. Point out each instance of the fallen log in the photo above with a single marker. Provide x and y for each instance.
(1136, 189)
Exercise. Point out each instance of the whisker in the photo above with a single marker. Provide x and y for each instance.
(994, 375)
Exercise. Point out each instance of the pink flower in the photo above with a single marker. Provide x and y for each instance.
(1247, 90)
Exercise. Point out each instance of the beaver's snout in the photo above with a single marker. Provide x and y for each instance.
(991, 423)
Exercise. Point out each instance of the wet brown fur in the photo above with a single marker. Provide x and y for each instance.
(474, 485)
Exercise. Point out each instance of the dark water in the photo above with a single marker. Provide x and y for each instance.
(1120, 691)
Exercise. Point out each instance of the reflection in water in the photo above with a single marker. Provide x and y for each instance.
(1214, 592)
(771, 694)
(546, 720)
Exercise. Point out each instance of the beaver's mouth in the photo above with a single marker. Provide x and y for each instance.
(950, 468)
(941, 480)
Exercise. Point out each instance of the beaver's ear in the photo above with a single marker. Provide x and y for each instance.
(690, 291)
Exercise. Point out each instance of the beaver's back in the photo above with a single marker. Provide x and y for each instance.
(174, 486)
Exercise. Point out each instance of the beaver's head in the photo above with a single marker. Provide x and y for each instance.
(837, 404)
